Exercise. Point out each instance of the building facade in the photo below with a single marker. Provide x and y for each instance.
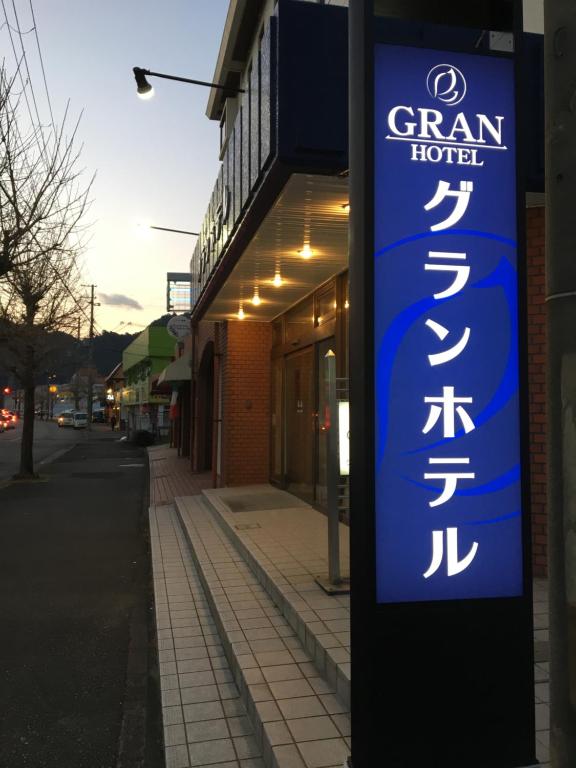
(270, 269)
(144, 404)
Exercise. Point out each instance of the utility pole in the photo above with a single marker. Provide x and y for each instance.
(90, 388)
(559, 67)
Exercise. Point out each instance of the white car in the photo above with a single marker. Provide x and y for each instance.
(80, 420)
(66, 419)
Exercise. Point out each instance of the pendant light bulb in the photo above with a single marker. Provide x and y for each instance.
(256, 300)
(277, 280)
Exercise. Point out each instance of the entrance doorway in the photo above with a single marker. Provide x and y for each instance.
(300, 424)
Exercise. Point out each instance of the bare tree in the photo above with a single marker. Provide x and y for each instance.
(43, 200)
(42, 195)
(36, 301)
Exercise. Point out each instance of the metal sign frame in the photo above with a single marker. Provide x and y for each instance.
(444, 683)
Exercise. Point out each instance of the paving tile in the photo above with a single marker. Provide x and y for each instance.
(228, 691)
(287, 689)
(312, 728)
(252, 762)
(183, 642)
(271, 644)
(299, 656)
(172, 715)
(288, 756)
(211, 752)
(198, 693)
(263, 633)
(197, 678)
(542, 717)
(277, 733)
(320, 685)
(254, 675)
(273, 658)
(233, 708)
(177, 757)
(239, 726)
(246, 661)
(332, 704)
(282, 672)
(224, 676)
(542, 691)
(169, 682)
(174, 734)
(325, 752)
(194, 665)
(207, 730)
(211, 710)
(246, 746)
(170, 698)
(268, 711)
(260, 692)
(342, 722)
(193, 641)
(306, 706)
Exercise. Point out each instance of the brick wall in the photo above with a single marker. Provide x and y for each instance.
(246, 404)
(536, 386)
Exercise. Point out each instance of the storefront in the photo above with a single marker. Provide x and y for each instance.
(269, 272)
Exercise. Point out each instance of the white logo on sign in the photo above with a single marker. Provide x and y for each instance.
(447, 84)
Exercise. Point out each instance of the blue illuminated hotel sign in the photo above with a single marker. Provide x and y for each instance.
(447, 442)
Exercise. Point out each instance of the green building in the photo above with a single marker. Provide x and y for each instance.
(145, 405)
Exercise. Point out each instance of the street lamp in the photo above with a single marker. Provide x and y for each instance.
(143, 227)
(178, 231)
(146, 91)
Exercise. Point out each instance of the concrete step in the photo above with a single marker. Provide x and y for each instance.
(204, 719)
(304, 605)
(298, 720)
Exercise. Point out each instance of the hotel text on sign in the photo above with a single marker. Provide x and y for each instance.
(447, 442)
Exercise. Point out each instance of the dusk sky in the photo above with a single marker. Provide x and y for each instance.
(156, 161)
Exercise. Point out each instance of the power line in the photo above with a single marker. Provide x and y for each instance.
(26, 64)
(18, 62)
(35, 28)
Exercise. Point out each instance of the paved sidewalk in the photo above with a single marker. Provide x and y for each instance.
(285, 544)
(171, 476)
(205, 723)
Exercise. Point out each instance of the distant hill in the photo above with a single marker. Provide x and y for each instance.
(108, 348)
(73, 354)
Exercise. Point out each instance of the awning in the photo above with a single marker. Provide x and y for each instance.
(176, 372)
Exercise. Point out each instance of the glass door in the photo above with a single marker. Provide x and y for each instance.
(300, 424)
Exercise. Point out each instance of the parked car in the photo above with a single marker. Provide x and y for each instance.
(66, 419)
(80, 420)
(2, 424)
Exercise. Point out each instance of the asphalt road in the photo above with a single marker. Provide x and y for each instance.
(78, 670)
(48, 439)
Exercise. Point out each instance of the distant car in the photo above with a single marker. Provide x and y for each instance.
(80, 420)
(9, 418)
(66, 419)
